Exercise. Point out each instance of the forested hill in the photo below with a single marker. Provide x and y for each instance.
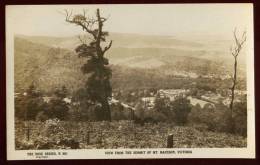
(125, 46)
(51, 62)
(46, 66)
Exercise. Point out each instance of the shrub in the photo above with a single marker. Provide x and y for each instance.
(154, 116)
(28, 106)
(41, 116)
(181, 107)
(219, 118)
(240, 118)
(53, 135)
(118, 112)
(57, 107)
(195, 115)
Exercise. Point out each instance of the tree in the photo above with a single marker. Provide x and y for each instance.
(162, 105)
(35, 103)
(30, 104)
(57, 107)
(139, 111)
(196, 114)
(181, 107)
(117, 111)
(235, 51)
(20, 107)
(61, 93)
(98, 86)
(81, 107)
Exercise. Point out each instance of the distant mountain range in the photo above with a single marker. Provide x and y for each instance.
(51, 61)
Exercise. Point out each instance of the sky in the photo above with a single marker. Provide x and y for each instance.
(167, 19)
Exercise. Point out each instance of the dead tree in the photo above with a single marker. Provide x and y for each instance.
(235, 51)
(98, 87)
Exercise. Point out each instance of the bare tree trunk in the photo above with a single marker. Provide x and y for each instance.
(106, 108)
(233, 88)
(235, 52)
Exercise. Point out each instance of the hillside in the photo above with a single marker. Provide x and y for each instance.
(120, 40)
(47, 67)
(51, 62)
(211, 46)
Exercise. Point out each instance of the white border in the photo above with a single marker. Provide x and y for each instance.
(12, 154)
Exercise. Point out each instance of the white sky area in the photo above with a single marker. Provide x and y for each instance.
(167, 19)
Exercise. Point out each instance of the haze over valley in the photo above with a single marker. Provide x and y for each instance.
(52, 60)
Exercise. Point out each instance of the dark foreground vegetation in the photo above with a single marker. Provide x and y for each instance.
(54, 134)
(56, 124)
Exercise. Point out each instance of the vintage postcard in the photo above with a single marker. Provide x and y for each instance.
(130, 81)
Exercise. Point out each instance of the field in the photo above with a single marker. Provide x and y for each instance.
(55, 134)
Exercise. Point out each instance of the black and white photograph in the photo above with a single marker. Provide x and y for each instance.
(130, 81)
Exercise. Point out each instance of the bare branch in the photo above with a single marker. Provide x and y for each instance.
(235, 36)
(68, 14)
(84, 12)
(235, 52)
(82, 40)
(84, 22)
(231, 50)
(107, 47)
(92, 25)
(239, 43)
(243, 39)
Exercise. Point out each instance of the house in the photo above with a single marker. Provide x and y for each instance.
(172, 93)
(116, 102)
(67, 100)
(149, 102)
